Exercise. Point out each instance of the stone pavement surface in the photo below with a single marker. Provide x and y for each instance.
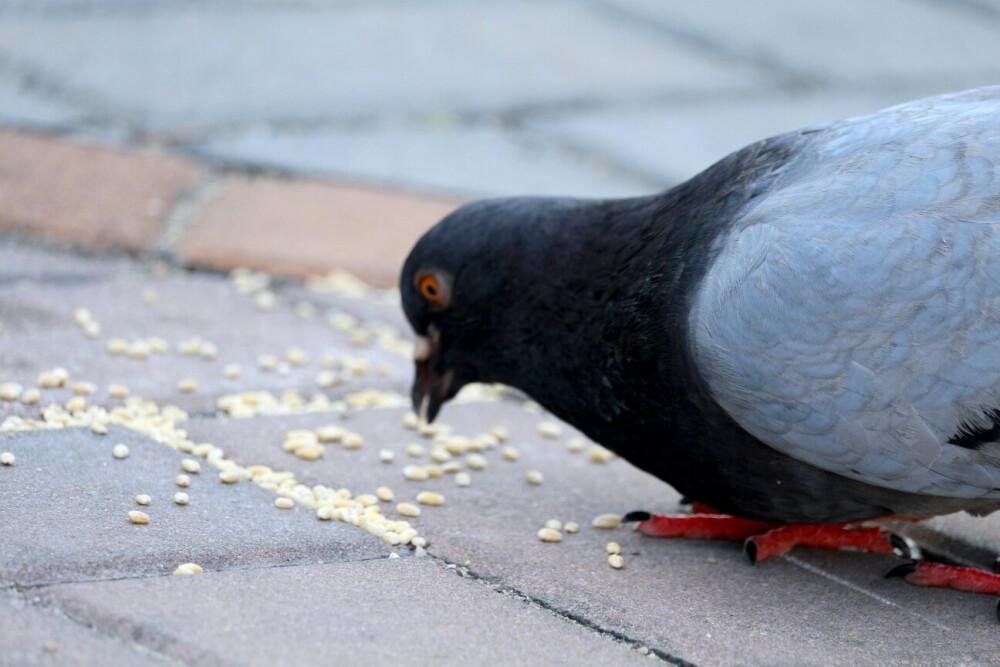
(142, 143)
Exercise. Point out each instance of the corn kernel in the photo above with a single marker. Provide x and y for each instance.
(612, 548)
(616, 561)
(76, 404)
(143, 499)
(352, 441)
(296, 356)
(430, 498)
(331, 433)
(119, 451)
(229, 476)
(232, 371)
(534, 477)
(118, 346)
(476, 461)
(606, 521)
(327, 379)
(549, 429)
(576, 445)
(463, 479)
(415, 473)
(571, 527)
(138, 349)
(419, 541)
(190, 465)
(7, 459)
(410, 420)
(135, 516)
(267, 362)
(415, 450)
(181, 498)
(408, 509)
(98, 428)
(549, 535)
(386, 494)
(599, 454)
(554, 524)
(188, 568)
(510, 453)
(284, 503)
(500, 433)
(187, 385)
(183, 481)
(117, 391)
(30, 396)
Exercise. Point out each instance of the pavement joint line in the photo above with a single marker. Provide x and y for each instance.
(617, 637)
(808, 567)
(56, 610)
(185, 211)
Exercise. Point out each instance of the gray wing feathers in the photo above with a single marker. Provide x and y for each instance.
(851, 318)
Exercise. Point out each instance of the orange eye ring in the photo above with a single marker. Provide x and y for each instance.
(430, 288)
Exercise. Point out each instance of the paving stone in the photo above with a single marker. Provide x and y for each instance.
(32, 635)
(475, 161)
(673, 142)
(406, 611)
(296, 228)
(690, 599)
(832, 41)
(349, 61)
(65, 514)
(60, 191)
(43, 289)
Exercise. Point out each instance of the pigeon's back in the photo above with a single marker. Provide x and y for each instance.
(851, 315)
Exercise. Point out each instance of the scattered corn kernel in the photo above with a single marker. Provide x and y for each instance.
(30, 396)
(143, 499)
(209, 350)
(500, 433)
(267, 362)
(616, 561)
(49, 380)
(534, 477)
(419, 541)
(119, 451)
(385, 493)
(76, 404)
(410, 420)
(475, 461)
(181, 498)
(576, 445)
(229, 476)
(415, 473)
(386, 456)
(510, 453)
(157, 345)
(549, 535)
(415, 450)
(612, 548)
(451, 467)
(549, 429)
(304, 310)
(571, 527)
(327, 379)
(430, 498)
(606, 521)
(463, 479)
(232, 371)
(188, 568)
(434, 471)
(284, 503)
(331, 433)
(149, 297)
(352, 441)
(7, 459)
(99, 428)
(118, 391)
(324, 512)
(599, 454)
(135, 516)
(183, 481)
(117, 346)
(187, 385)
(190, 465)
(296, 356)
(83, 388)
(138, 349)
(554, 524)
(310, 452)
(408, 509)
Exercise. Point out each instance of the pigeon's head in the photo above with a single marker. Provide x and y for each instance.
(454, 286)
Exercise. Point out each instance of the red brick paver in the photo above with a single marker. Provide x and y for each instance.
(57, 190)
(299, 228)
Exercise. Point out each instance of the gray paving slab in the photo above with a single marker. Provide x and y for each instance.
(33, 635)
(675, 141)
(696, 600)
(65, 503)
(459, 159)
(881, 45)
(405, 611)
(213, 65)
(45, 288)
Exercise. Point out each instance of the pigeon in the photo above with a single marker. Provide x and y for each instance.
(803, 337)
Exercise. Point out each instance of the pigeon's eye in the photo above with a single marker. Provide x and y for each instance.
(434, 287)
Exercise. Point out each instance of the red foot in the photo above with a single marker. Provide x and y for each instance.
(763, 539)
(780, 540)
(948, 576)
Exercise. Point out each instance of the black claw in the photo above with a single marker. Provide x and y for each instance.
(899, 544)
(686, 501)
(750, 551)
(638, 515)
(901, 570)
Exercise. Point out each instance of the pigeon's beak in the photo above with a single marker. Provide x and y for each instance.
(431, 388)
